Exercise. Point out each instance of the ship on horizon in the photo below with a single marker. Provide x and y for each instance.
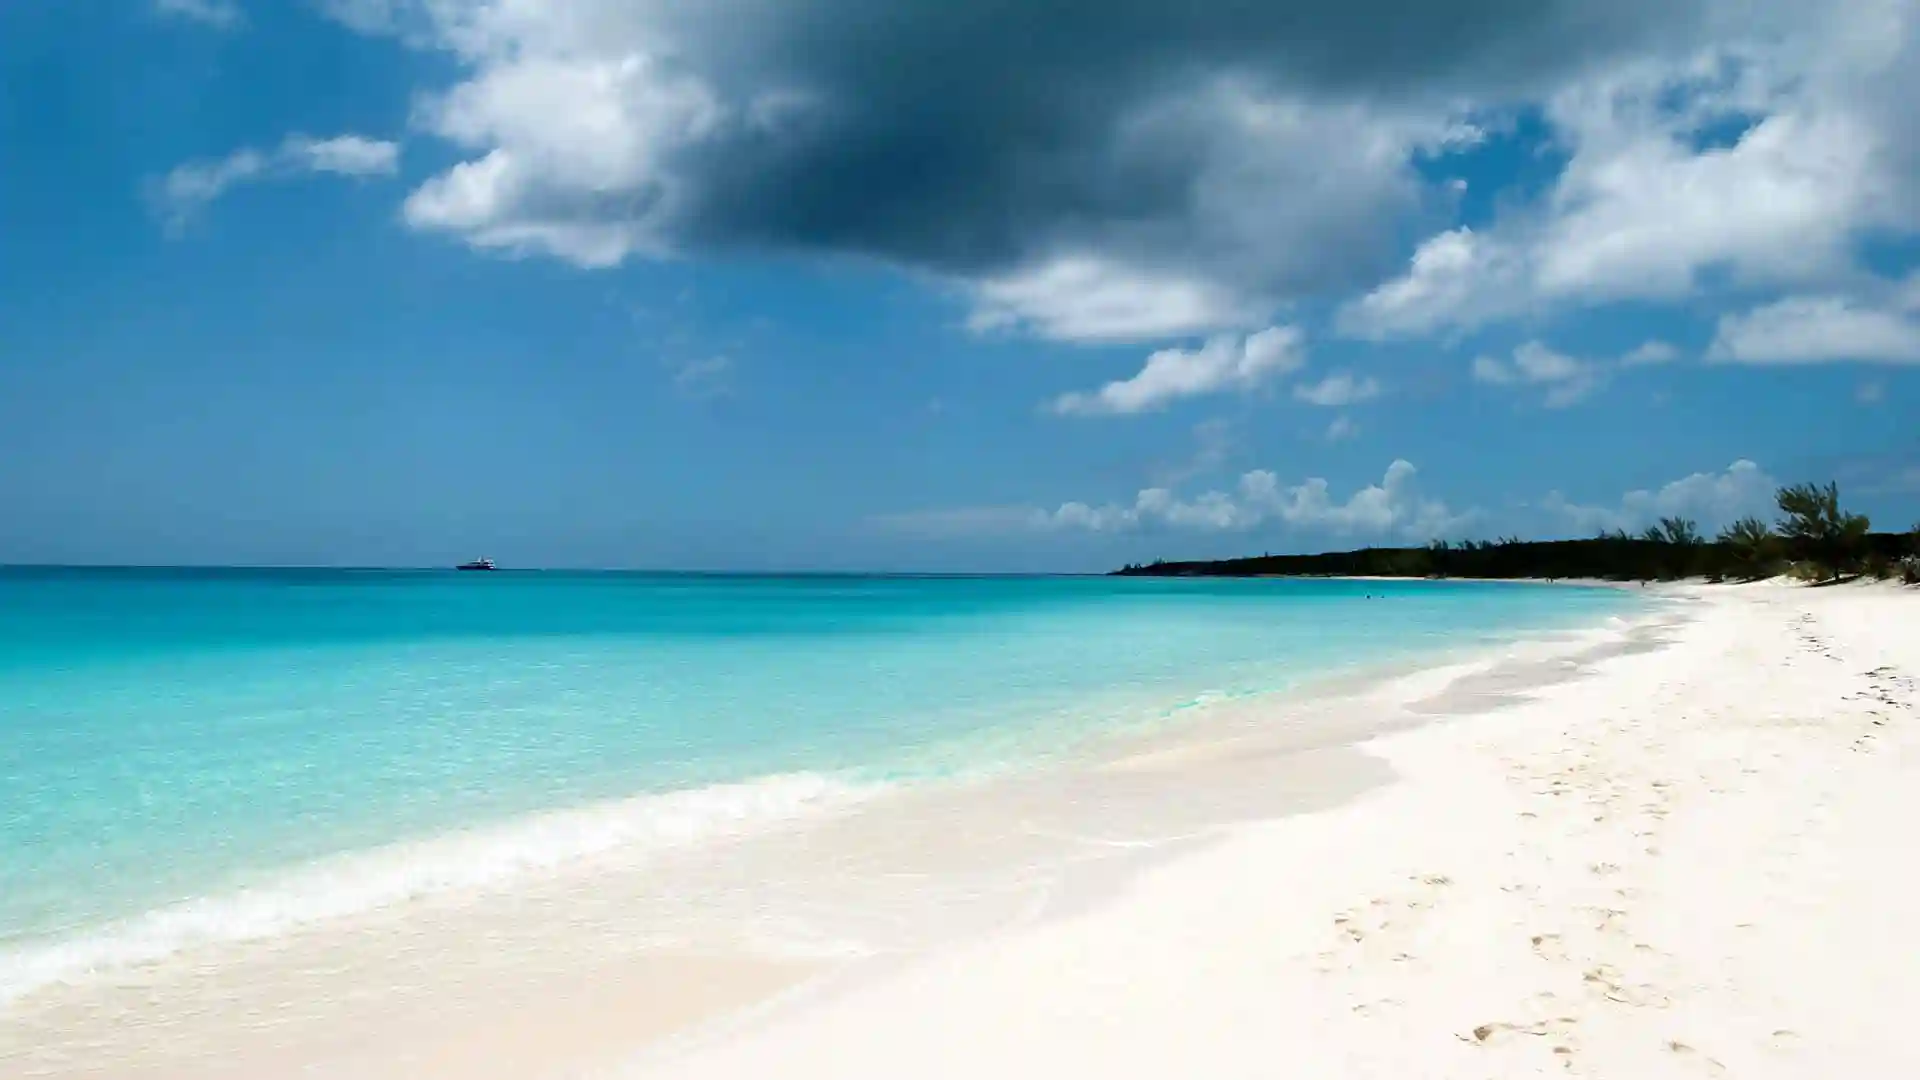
(477, 564)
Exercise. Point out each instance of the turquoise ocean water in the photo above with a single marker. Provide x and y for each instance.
(192, 755)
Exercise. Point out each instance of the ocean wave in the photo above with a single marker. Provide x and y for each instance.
(468, 861)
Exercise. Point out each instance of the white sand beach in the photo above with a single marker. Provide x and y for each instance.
(1695, 860)
(1675, 849)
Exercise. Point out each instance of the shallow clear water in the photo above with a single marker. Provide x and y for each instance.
(208, 747)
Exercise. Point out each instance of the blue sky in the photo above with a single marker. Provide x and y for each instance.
(838, 284)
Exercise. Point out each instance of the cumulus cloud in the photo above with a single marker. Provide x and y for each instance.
(220, 14)
(1649, 353)
(1713, 500)
(1817, 329)
(1393, 507)
(1453, 278)
(1154, 170)
(1086, 298)
(187, 189)
(1225, 362)
(1762, 160)
(1566, 379)
(1393, 510)
(342, 155)
(1048, 158)
(1337, 389)
(1342, 427)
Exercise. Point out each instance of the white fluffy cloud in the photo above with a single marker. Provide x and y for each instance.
(1392, 510)
(1817, 329)
(1452, 279)
(1650, 353)
(1713, 500)
(342, 155)
(1337, 389)
(1393, 507)
(1566, 379)
(1225, 362)
(189, 188)
(571, 151)
(1086, 298)
(1657, 197)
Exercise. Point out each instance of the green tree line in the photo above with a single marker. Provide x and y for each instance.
(1814, 538)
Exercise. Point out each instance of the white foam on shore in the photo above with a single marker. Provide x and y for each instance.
(468, 861)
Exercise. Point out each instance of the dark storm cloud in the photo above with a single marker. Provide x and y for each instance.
(1255, 151)
(955, 133)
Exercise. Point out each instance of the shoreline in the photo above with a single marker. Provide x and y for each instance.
(1582, 582)
(1060, 834)
(1611, 868)
(1637, 587)
(1042, 701)
(568, 841)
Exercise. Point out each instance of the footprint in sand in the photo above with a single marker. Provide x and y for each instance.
(1712, 1066)
(1549, 947)
(1555, 1036)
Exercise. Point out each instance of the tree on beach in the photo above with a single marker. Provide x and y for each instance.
(1751, 547)
(1683, 532)
(1815, 527)
(1815, 537)
(1678, 550)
